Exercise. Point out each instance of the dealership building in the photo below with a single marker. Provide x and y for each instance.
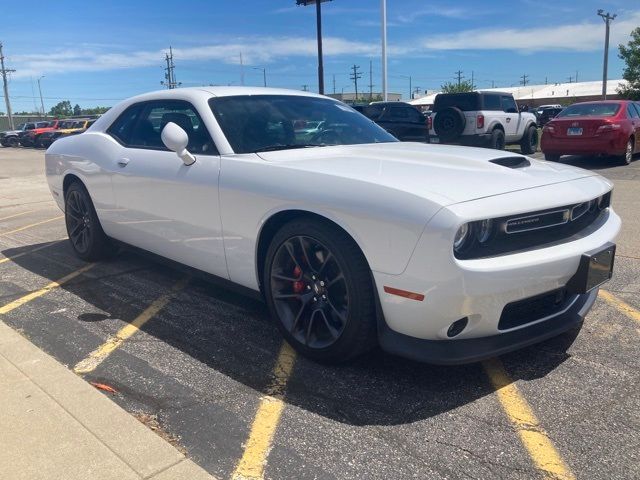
(535, 95)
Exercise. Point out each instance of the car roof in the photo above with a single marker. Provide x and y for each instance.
(215, 91)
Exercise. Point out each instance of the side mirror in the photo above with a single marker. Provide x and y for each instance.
(176, 140)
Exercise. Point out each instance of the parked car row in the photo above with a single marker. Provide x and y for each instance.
(43, 133)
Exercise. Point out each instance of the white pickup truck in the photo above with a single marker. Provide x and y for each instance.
(484, 119)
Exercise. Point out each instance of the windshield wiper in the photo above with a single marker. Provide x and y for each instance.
(280, 146)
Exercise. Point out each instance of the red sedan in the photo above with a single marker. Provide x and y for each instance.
(609, 127)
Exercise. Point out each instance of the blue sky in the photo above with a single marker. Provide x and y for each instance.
(96, 53)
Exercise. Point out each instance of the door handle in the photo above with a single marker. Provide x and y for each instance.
(123, 162)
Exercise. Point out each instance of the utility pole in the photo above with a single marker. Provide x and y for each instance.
(473, 87)
(525, 79)
(416, 91)
(545, 80)
(607, 18)
(241, 70)
(576, 76)
(264, 74)
(460, 76)
(170, 75)
(44, 114)
(4, 72)
(370, 80)
(334, 83)
(355, 76)
(570, 79)
(493, 84)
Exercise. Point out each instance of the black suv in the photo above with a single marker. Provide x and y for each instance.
(546, 114)
(402, 120)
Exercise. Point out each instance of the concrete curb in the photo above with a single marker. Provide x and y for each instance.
(56, 425)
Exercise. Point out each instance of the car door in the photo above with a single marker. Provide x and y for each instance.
(512, 117)
(163, 205)
(634, 113)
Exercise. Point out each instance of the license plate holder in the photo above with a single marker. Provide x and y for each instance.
(596, 268)
(574, 131)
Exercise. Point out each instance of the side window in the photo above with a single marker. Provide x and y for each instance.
(123, 126)
(508, 104)
(372, 111)
(398, 113)
(492, 102)
(631, 111)
(30, 126)
(155, 115)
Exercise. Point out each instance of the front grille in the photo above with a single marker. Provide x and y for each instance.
(531, 309)
(537, 229)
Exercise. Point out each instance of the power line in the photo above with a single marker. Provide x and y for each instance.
(4, 72)
(355, 76)
(524, 79)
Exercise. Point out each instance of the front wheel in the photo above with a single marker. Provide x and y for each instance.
(12, 142)
(87, 238)
(529, 142)
(551, 157)
(318, 287)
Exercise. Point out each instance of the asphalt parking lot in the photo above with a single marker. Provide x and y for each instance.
(209, 365)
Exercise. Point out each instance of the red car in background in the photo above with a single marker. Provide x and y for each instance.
(608, 127)
(28, 139)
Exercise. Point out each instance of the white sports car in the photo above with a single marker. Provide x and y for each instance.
(443, 254)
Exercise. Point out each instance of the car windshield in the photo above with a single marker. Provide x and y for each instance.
(591, 110)
(255, 123)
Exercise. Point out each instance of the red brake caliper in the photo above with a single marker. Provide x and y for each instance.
(298, 285)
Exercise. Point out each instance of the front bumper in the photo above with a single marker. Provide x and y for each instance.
(454, 352)
(479, 289)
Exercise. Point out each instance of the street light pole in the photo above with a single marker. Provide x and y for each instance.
(319, 34)
(44, 114)
(607, 18)
(384, 49)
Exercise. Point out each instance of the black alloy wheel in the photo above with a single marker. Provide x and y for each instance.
(309, 291)
(87, 238)
(319, 289)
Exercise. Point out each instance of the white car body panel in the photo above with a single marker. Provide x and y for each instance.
(401, 202)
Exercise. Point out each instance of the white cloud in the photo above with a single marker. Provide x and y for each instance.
(581, 37)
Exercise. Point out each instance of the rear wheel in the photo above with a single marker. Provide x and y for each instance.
(551, 157)
(87, 238)
(318, 287)
(529, 142)
(497, 139)
(626, 158)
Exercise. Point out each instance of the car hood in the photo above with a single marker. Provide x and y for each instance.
(444, 173)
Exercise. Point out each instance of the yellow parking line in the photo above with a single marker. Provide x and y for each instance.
(621, 305)
(16, 215)
(251, 465)
(38, 293)
(540, 448)
(9, 259)
(29, 226)
(98, 356)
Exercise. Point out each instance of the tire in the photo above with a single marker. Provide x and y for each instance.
(12, 142)
(551, 157)
(529, 141)
(449, 124)
(86, 236)
(323, 302)
(38, 143)
(497, 139)
(627, 156)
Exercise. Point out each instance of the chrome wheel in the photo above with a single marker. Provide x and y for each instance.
(628, 154)
(309, 292)
(78, 220)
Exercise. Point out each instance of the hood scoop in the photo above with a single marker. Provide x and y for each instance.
(512, 162)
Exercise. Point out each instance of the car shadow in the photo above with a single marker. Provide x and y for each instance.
(592, 162)
(235, 336)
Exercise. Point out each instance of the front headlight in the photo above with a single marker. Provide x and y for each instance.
(484, 230)
(462, 237)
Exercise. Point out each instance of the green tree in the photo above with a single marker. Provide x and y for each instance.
(77, 110)
(631, 56)
(451, 87)
(62, 109)
(94, 110)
